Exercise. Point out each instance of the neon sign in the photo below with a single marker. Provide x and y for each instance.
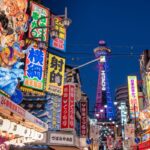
(34, 69)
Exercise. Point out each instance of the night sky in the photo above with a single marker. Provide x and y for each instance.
(123, 24)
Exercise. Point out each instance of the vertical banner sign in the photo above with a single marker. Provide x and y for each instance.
(37, 28)
(34, 69)
(55, 76)
(71, 106)
(83, 123)
(54, 112)
(133, 96)
(58, 43)
(65, 107)
(68, 107)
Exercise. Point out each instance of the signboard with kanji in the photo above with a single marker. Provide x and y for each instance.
(133, 96)
(68, 107)
(83, 123)
(54, 113)
(58, 43)
(37, 28)
(61, 139)
(34, 69)
(55, 75)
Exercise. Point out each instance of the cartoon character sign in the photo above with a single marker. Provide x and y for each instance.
(13, 19)
(13, 24)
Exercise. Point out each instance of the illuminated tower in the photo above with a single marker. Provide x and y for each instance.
(104, 108)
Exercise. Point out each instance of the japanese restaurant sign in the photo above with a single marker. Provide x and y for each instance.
(83, 123)
(34, 69)
(60, 138)
(55, 76)
(58, 43)
(133, 96)
(37, 28)
(8, 105)
(68, 107)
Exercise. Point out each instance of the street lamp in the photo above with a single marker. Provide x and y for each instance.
(116, 126)
(110, 119)
(101, 110)
(115, 103)
(53, 33)
(105, 106)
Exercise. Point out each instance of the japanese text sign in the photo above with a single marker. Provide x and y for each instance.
(63, 139)
(58, 43)
(83, 123)
(55, 76)
(133, 96)
(40, 19)
(68, 107)
(34, 68)
(54, 112)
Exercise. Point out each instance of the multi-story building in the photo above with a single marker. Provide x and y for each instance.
(121, 98)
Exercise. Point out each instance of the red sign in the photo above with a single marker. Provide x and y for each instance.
(83, 123)
(71, 106)
(6, 103)
(68, 107)
(144, 145)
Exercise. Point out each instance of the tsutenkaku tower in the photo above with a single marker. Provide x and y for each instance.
(104, 108)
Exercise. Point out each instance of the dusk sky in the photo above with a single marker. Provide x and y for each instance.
(123, 24)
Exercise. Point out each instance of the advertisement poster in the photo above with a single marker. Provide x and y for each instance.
(37, 28)
(68, 107)
(59, 42)
(133, 96)
(83, 123)
(34, 69)
(55, 75)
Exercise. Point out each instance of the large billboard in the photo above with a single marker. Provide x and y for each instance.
(34, 69)
(59, 42)
(83, 123)
(68, 107)
(55, 74)
(133, 96)
(37, 28)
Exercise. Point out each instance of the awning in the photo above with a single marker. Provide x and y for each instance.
(64, 148)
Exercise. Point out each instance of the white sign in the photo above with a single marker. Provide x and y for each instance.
(103, 80)
(123, 113)
(61, 139)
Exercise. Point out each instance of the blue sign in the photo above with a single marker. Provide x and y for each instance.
(17, 97)
(88, 141)
(137, 140)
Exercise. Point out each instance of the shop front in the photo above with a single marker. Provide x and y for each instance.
(17, 126)
(63, 141)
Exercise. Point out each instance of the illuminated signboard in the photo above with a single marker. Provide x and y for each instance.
(68, 107)
(123, 113)
(55, 76)
(133, 96)
(148, 86)
(34, 69)
(83, 123)
(58, 43)
(35, 30)
(54, 108)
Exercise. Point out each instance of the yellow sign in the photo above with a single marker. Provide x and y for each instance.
(55, 76)
(133, 96)
(148, 86)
